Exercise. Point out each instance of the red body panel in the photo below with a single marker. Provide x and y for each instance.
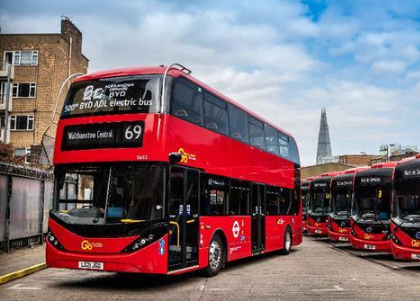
(407, 248)
(146, 260)
(361, 239)
(315, 228)
(337, 233)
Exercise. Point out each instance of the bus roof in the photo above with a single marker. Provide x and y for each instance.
(390, 164)
(356, 169)
(332, 173)
(175, 72)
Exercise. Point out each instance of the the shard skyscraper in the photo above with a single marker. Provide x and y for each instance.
(324, 154)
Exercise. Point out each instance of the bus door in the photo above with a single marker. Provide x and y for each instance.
(183, 217)
(258, 217)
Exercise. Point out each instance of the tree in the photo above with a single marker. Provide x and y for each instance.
(6, 152)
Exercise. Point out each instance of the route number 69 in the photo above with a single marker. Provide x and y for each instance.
(133, 132)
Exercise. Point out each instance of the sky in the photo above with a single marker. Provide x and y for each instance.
(284, 59)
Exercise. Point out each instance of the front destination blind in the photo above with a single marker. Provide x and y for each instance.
(103, 135)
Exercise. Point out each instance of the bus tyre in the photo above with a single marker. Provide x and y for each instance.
(216, 256)
(287, 242)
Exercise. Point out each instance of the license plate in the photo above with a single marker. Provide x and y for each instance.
(91, 265)
(343, 238)
(369, 247)
(318, 231)
(415, 256)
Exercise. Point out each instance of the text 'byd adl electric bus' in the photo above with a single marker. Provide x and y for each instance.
(155, 172)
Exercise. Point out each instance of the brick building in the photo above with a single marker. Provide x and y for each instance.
(40, 63)
(356, 160)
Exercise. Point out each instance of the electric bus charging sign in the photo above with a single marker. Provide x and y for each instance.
(103, 135)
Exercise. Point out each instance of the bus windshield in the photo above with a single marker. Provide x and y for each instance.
(117, 95)
(109, 194)
(319, 202)
(373, 203)
(341, 202)
(408, 197)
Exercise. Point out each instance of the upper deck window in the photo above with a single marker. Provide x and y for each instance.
(271, 140)
(238, 124)
(215, 114)
(256, 133)
(117, 95)
(187, 101)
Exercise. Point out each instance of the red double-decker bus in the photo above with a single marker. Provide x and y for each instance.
(319, 204)
(341, 197)
(155, 172)
(371, 211)
(405, 224)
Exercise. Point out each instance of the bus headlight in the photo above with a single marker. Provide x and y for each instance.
(146, 238)
(54, 241)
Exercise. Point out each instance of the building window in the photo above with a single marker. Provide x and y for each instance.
(24, 90)
(23, 152)
(22, 58)
(22, 123)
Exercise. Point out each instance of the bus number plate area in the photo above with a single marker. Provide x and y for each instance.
(91, 265)
(343, 238)
(415, 256)
(103, 135)
(369, 247)
(318, 231)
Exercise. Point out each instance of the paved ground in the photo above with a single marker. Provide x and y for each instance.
(317, 270)
(20, 259)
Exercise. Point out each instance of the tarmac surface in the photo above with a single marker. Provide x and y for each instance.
(316, 270)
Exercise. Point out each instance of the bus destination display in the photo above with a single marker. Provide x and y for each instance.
(103, 135)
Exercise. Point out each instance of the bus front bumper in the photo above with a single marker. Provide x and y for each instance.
(371, 245)
(405, 253)
(341, 237)
(148, 260)
(318, 231)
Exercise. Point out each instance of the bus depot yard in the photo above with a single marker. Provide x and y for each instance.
(316, 270)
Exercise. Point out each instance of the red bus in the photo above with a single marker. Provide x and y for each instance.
(371, 211)
(155, 172)
(304, 190)
(341, 197)
(319, 204)
(405, 224)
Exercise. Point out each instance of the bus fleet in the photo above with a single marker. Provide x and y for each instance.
(374, 208)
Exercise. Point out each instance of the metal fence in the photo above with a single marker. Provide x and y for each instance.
(25, 199)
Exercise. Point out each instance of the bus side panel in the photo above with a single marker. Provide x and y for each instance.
(237, 230)
(218, 154)
(274, 232)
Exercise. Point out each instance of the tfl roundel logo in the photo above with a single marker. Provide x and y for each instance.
(417, 236)
(369, 229)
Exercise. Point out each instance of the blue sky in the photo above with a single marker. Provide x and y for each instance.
(283, 59)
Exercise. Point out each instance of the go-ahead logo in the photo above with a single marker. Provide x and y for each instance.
(88, 246)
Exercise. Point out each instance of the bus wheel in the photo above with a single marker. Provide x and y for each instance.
(287, 242)
(216, 257)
